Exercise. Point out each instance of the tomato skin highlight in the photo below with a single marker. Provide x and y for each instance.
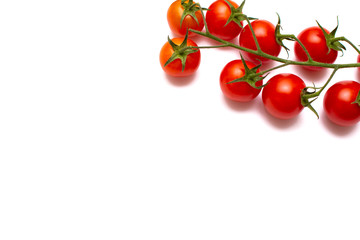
(216, 18)
(314, 41)
(265, 34)
(282, 96)
(338, 103)
(175, 68)
(174, 15)
(239, 91)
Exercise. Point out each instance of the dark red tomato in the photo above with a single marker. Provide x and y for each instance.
(338, 103)
(175, 67)
(265, 34)
(314, 41)
(239, 91)
(174, 15)
(217, 17)
(282, 96)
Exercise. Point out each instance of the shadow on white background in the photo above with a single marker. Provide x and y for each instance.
(180, 81)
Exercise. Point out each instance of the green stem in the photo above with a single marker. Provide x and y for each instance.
(328, 81)
(204, 20)
(277, 59)
(307, 98)
(274, 68)
(205, 47)
(346, 40)
(317, 93)
(292, 36)
(254, 35)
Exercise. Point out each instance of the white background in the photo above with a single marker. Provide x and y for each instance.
(96, 142)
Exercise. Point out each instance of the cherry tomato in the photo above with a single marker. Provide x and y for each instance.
(339, 103)
(239, 91)
(265, 34)
(174, 15)
(282, 96)
(175, 68)
(314, 41)
(217, 17)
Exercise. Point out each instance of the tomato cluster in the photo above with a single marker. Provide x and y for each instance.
(284, 95)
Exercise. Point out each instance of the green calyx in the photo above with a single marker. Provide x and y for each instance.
(180, 51)
(190, 8)
(237, 15)
(280, 37)
(308, 96)
(331, 41)
(357, 101)
(251, 76)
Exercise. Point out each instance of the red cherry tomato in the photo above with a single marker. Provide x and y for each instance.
(175, 67)
(282, 96)
(174, 15)
(338, 103)
(239, 91)
(314, 41)
(217, 17)
(265, 34)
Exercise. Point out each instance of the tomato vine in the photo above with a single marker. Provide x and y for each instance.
(235, 15)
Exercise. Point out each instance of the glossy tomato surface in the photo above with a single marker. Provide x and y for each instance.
(217, 17)
(175, 68)
(174, 15)
(339, 103)
(265, 34)
(314, 41)
(282, 96)
(239, 91)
